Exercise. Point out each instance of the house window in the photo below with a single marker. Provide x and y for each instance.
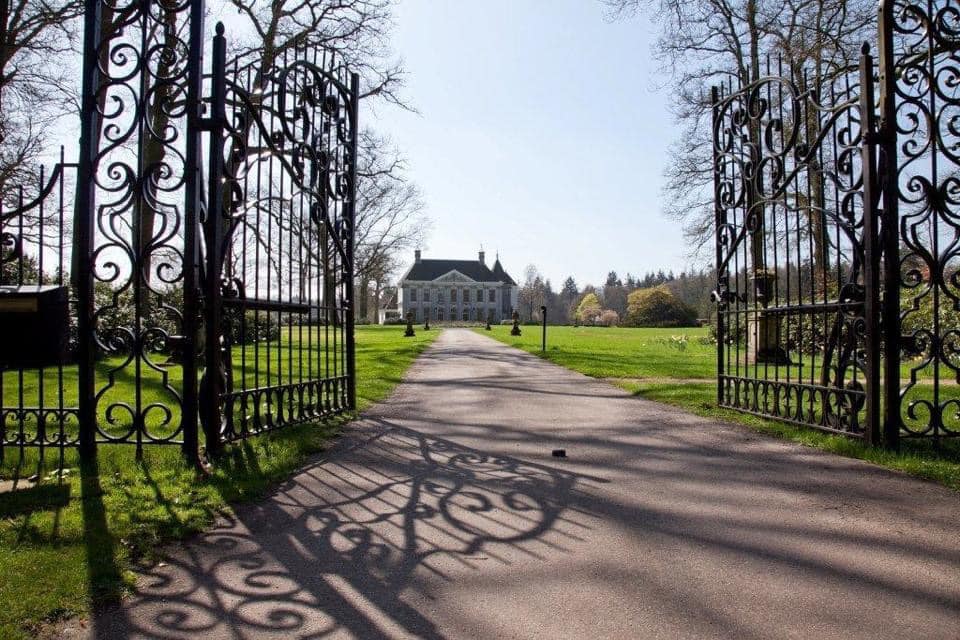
(492, 295)
(426, 295)
(453, 295)
(440, 295)
(453, 315)
(439, 315)
(479, 295)
(413, 295)
(466, 315)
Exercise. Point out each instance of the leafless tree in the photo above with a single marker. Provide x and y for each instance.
(35, 85)
(389, 208)
(389, 221)
(390, 218)
(357, 30)
(35, 92)
(705, 43)
(532, 294)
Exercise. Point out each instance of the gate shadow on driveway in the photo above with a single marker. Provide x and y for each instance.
(333, 548)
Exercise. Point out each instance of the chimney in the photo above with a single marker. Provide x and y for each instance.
(416, 256)
(481, 258)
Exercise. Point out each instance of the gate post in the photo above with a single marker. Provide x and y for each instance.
(193, 201)
(871, 249)
(83, 245)
(212, 383)
(351, 219)
(719, 221)
(889, 228)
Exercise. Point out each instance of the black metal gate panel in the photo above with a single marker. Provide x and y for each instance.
(208, 228)
(790, 250)
(838, 237)
(133, 267)
(921, 128)
(38, 384)
(282, 195)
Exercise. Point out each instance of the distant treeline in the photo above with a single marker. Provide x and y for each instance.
(656, 298)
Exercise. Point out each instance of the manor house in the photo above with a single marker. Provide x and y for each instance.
(456, 290)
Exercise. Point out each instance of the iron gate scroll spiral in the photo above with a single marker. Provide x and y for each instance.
(133, 262)
(790, 251)
(838, 237)
(207, 227)
(923, 129)
(285, 157)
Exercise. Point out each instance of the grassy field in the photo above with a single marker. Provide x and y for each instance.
(651, 363)
(300, 350)
(65, 544)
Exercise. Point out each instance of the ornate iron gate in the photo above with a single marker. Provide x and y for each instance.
(281, 230)
(829, 203)
(212, 231)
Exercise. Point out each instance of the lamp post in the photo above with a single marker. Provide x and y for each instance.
(543, 341)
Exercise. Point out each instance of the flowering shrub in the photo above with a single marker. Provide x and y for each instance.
(608, 318)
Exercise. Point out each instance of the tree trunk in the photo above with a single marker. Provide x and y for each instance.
(106, 31)
(364, 297)
(154, 150)
(377, 292)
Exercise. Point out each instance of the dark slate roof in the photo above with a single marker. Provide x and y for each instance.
(500, 274)
(474, 269)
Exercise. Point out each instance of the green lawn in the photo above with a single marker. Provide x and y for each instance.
(651, 364)
(300, 350)
(66, 545)
(617, 352)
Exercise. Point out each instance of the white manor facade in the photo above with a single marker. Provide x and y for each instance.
(456, 291)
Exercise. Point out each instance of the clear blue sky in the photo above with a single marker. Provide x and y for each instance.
(541, 134)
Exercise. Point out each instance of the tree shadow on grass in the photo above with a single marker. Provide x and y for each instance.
(104, 575)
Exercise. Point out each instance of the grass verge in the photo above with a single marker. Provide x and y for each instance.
(66, 543)
(650, 364)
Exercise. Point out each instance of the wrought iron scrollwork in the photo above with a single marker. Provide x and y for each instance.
(790, 250)
(288, 165)
(137, 254)
(927, 120)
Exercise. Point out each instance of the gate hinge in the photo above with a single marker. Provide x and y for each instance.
(209, 123)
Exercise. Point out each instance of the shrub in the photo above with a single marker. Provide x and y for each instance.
(657, 307)
(922, 318)
(116, 314)
(609, 318)
(256, 327)
(588, 311)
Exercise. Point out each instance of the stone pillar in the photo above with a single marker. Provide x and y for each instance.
(764, 336)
